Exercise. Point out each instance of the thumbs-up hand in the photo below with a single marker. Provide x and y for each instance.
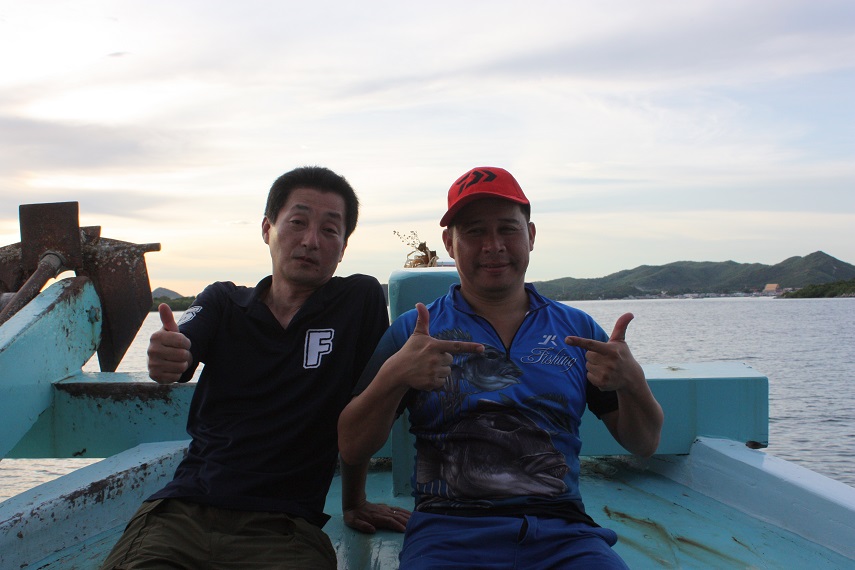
(167, 318)
(168, 350)
(610, 365)
(424, 363)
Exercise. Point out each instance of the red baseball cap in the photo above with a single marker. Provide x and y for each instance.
(482, 182)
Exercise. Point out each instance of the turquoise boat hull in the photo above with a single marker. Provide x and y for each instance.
(709, 498)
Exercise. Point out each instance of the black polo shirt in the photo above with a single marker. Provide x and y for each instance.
(264, 413)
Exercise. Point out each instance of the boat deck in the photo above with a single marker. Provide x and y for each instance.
(660, 524)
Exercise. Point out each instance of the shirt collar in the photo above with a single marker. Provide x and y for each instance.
(246, 297)
(535, 300)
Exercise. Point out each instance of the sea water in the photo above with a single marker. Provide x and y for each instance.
(805, 346)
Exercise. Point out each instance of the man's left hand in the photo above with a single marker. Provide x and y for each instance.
(610, 365)
(368, 517)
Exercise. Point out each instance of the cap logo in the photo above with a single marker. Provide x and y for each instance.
(472, 178)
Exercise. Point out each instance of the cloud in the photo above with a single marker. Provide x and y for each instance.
(169, 121)
(44, 146)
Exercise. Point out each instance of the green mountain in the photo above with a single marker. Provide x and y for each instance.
(843, 288)
(162, 292)
(682, 277)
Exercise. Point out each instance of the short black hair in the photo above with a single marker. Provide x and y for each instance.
(315, 178)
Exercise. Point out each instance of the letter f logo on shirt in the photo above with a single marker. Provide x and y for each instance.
(318, 343)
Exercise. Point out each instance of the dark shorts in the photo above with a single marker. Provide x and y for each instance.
(512, 543)
(171, 533)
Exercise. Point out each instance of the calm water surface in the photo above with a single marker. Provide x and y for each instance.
(805, 346)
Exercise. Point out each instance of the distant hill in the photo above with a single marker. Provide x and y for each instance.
(162, 293)
(176, 301)
(844, 288)
(685, 277)
(678, 278)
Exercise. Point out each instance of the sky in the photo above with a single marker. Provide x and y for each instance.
(644, 133)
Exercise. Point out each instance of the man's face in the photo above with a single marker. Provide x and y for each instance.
(490, 242)
(307, 241)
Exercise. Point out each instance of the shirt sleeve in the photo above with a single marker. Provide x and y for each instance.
(385, 348)
(599, 402)
(199, 323)
(375, 319)
(393, 339)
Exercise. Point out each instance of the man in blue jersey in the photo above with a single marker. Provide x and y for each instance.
(496, 378)
(281, 360)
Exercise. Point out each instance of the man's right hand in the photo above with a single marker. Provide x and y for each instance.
(425, 361)
(422, 363)
(168, 350)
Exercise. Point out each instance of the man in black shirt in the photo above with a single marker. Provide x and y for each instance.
(281, 360)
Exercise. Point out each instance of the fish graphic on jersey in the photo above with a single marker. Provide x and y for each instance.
(487, 450)
(491, 452)
(487, 371)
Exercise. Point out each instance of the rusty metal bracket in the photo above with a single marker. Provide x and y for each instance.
(52, 242)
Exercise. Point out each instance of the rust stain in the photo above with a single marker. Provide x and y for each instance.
(52, 242)
(648, 524)
(683, 544)
(695, 544)
(94, 490)
(121, 391)
(653, 551)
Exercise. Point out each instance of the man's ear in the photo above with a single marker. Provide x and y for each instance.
(448, 242)
(531, 231)
(265, 230)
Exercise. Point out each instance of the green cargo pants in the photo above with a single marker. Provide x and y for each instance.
(171, 533)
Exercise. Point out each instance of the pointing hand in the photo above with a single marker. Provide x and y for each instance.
(168, 350)
(610, 365)
(425, 361)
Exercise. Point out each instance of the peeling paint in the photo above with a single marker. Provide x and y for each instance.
(120, 391)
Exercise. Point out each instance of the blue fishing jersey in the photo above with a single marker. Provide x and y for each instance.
(502, 435)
